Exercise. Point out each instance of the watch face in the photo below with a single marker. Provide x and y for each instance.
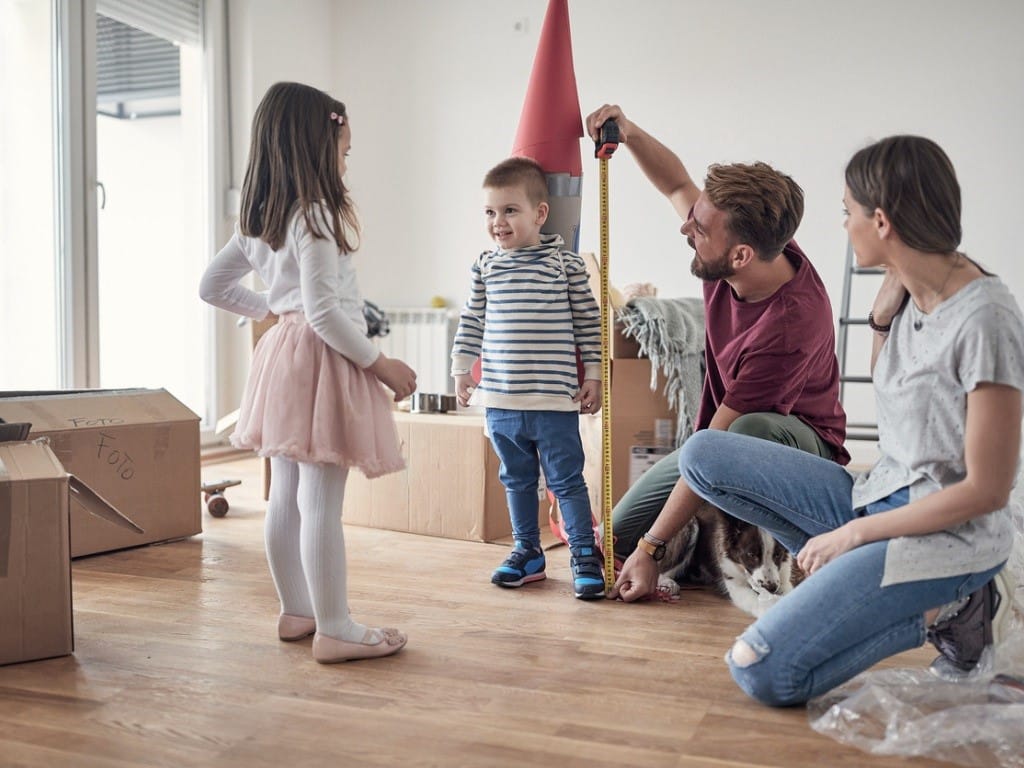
(656, 551)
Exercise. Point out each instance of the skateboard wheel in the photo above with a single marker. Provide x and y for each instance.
(217, 505)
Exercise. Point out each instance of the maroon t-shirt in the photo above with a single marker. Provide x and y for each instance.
(777, 354)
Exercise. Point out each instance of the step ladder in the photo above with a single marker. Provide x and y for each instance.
(854, 430)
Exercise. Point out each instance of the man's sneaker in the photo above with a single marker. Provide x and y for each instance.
(587, 572)
(962, 638)
(524, 564)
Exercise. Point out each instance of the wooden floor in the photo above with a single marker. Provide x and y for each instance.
(177, 664)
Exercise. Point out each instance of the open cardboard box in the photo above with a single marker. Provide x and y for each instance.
(37, 497)
(137, 448)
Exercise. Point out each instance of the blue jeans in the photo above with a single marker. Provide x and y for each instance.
(525, 441)
(641, 504)
(840, 620)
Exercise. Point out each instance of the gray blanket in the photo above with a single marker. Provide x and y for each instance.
(671, 333)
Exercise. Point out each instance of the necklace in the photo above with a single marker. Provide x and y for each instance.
(918, 322)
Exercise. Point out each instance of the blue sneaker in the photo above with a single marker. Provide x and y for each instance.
(525, 563)
(587, 572)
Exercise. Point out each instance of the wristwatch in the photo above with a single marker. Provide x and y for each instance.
(652, 545)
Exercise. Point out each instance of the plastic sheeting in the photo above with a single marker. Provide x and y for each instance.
(976, 721)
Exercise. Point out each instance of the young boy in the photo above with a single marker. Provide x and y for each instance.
(529, 310)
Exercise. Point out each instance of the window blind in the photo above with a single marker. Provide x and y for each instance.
(133, 66)
(177, 20)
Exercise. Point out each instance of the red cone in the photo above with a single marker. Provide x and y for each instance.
(550, 125)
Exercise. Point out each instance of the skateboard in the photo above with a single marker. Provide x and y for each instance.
(213, 495)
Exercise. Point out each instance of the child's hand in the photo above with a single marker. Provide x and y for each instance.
(396, 375)
(463, 388)
(589, 396)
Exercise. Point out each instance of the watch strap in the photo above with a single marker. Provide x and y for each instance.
(648, 537)
(656, 551)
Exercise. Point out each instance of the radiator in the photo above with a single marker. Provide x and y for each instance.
(422, 338)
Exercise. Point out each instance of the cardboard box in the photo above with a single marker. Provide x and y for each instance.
(35, 572)
(623, 346)
(449, 488)
(636, 411)
(137, 448)
(642, 458)
(642, 424)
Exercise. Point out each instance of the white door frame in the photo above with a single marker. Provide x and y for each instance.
(75, 142)
(74, 130)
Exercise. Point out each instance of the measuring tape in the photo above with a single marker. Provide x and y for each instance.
(607, 141)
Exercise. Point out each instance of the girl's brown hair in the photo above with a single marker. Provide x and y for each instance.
(913, 181)
(293, 163)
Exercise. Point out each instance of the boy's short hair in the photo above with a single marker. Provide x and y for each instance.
(519, 171)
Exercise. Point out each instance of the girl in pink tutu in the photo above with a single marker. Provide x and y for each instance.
(314, 402)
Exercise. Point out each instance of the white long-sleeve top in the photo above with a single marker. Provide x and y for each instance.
(307, 274)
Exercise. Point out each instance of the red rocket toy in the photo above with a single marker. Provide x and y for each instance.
(551, 125)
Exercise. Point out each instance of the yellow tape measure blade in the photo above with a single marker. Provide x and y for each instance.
(606, 381)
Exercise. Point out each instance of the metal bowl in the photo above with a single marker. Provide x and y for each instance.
(426, 402)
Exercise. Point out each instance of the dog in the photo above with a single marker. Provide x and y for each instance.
(739, 560)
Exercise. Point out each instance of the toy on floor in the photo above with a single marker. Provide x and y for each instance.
(213, 495)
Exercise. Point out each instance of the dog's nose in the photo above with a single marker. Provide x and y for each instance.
(771, 586)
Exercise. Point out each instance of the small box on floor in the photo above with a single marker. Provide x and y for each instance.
(137, 448)
(35, 570)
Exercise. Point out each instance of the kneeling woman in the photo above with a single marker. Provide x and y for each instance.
(914, 548)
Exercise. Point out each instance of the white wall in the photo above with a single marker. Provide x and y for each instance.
(435, 90)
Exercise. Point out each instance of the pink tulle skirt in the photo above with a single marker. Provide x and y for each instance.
(306, 402)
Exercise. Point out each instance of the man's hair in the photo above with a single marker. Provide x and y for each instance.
(764, 206)
(516, 172)
(293, 164)
(913, 181)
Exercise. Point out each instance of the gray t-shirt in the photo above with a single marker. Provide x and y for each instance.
(922, 377)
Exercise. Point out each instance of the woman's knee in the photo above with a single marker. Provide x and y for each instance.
(754, 671)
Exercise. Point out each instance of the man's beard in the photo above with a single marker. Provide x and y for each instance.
(710, 271)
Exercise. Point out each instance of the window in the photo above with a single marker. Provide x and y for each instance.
(104, 207)
(30, 346)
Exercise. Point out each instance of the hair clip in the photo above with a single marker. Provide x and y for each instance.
(339, 119)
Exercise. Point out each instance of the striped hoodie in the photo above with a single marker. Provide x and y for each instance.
(528, 311)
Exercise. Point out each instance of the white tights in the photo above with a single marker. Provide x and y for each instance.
(306, 545)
